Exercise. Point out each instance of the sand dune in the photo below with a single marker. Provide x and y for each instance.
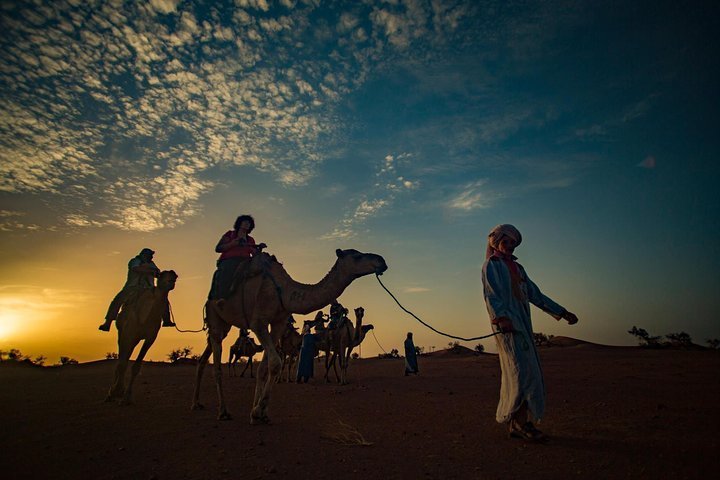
(611, 413)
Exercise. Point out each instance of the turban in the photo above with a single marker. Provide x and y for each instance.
(497, 234)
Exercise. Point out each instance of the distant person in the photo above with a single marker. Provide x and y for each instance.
(508, 293)
(411, 365)
(307, 354)
(235, 247)
(141, 276)
(337, 315)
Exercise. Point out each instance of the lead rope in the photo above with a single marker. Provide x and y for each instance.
(429, 326)
(172, 317)
(378, 343)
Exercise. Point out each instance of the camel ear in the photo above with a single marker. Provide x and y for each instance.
(339, 253)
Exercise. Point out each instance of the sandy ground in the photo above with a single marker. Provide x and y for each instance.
(613, 412)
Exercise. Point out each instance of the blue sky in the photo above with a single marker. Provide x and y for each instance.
(405, 128)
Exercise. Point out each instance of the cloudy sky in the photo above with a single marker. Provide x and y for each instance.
(407, 128)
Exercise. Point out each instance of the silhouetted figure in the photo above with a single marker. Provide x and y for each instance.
(141, 276)
(306, 362)
(235, 247)
(508, 293)
(337, 315)
(411, 364)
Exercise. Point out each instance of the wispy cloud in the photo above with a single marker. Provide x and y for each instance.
(32, 303)
(388, 185)
(167, 87)
(472, 196)
(415, 290)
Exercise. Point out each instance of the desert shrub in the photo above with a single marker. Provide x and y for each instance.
(15, 355)
(39, 360)
(355, 355)
(419, 350)
(111, 356)
(644, 338)
(453, 345)
(394, 353)
(479, 348)
(68, 361)
(713, 343)
(181, 353)
(680, 339)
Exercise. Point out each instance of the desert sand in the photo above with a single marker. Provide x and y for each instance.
(612, 412)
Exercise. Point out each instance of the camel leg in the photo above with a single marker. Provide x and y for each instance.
(328, 354)
(127, 398)
(333, 364)
(268, 370)
(117, 389)
(344, 368)
(248, 364)
(216, 344)
(202, 361)
(293, 361)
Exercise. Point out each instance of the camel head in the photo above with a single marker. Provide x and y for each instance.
(366, 328)
(166, 280)
(357, 264)
(359, 312)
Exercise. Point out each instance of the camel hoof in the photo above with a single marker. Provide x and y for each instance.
(224, 416)
(265, 420)
(197, 406)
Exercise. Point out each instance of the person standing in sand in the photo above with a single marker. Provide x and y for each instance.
(411, 364)
(508, 293)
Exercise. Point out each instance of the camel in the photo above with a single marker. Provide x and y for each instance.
(341, 342)
(289, 350)
(264, 297)
(139, 320)
(244, 346)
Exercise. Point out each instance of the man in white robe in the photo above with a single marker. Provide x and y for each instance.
(508, 293)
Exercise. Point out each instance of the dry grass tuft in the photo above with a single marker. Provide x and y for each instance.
(344, 434)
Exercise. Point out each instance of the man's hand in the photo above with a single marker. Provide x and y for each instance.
(570, 317)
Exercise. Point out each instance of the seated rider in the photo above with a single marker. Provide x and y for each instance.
(141, 276)
(318, 322)
(235, 247)
(337, 315)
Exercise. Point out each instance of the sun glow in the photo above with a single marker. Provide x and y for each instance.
(8, 324)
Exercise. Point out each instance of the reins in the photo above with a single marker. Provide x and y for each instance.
(172, 317)
(430, 326)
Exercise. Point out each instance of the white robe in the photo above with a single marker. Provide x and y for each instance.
(522, 378)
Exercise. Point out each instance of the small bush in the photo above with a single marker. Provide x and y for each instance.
(181, 353)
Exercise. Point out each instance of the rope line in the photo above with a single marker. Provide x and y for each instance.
(172, 317)
(429, 326)
(376, 341)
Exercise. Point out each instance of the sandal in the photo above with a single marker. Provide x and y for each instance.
(526, 432)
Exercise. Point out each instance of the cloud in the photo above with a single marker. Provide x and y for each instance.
(472, 196)
(386, 189)
(164, 6)
(32, 302)
(182, 94)
(415, 290)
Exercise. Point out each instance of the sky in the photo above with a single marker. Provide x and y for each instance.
(406, 128)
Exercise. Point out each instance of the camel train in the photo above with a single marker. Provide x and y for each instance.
(244, 347)
(264, 297)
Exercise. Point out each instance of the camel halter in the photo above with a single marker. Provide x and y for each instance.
(429, 326)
